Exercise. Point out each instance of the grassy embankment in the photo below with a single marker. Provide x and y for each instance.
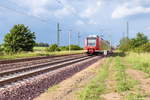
(97, 86)
(139, 61)
(114, 71)
(38, 51)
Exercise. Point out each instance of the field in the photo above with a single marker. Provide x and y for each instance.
(38, 51)
(39, 48)
(122, 76)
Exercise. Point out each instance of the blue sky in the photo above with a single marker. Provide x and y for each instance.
(107, 17)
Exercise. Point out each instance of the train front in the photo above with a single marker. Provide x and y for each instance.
(91, 44)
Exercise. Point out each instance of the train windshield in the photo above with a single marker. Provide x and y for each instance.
(91, 42)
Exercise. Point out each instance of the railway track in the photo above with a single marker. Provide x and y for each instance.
(13, 75)
(15, 64)
(33, 58)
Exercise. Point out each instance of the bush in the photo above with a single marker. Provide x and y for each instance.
(124, 44)
(138, 41)
(64, 48)
(74, 47)
(144, 48)
(138, 44)
(53, 47)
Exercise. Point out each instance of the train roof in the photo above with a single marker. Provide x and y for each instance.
(93, 36)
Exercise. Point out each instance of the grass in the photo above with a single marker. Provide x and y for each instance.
(139, 61)
(39, 48)
(96, 87)
(134, 96)
(124, 82)
(37, 53)
(53, 88)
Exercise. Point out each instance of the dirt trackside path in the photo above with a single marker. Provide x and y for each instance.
(144, 83)
(67, 89)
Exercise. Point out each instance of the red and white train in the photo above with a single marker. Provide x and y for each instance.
(95, 45)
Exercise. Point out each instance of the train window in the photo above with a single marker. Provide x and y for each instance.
(91, 42)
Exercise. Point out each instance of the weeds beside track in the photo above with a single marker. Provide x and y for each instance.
(119, 85)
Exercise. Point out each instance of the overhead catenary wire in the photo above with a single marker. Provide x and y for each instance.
(23, 13)
(37, 17)
(74, 14)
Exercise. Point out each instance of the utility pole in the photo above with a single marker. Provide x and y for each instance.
(69, 40)
(123, 35)
(58, 34)
(78, 38)
(110, 37)
(127, 29)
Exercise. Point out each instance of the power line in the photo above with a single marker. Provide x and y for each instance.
(58, 1)
(22, 13)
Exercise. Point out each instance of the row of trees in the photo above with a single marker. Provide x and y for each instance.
(140, 43)
(54, 47)
(42, 44)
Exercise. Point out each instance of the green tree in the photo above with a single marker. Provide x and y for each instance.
(138, 44)
(20, 38)
(145, 47)
(124, 44)
(139, 40)
(1, 50)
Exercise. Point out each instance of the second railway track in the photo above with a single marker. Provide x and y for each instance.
(10, 76)
(15, 64)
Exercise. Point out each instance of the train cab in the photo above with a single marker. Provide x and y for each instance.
(92, 44)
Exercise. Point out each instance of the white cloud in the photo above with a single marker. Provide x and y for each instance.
(127, 10)
(34, 7)
(46, 8)
(91, 10)
(65, 11)
(92, 22)
(148, 28)
(80, 22)
(89, 22)
(43, 7)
